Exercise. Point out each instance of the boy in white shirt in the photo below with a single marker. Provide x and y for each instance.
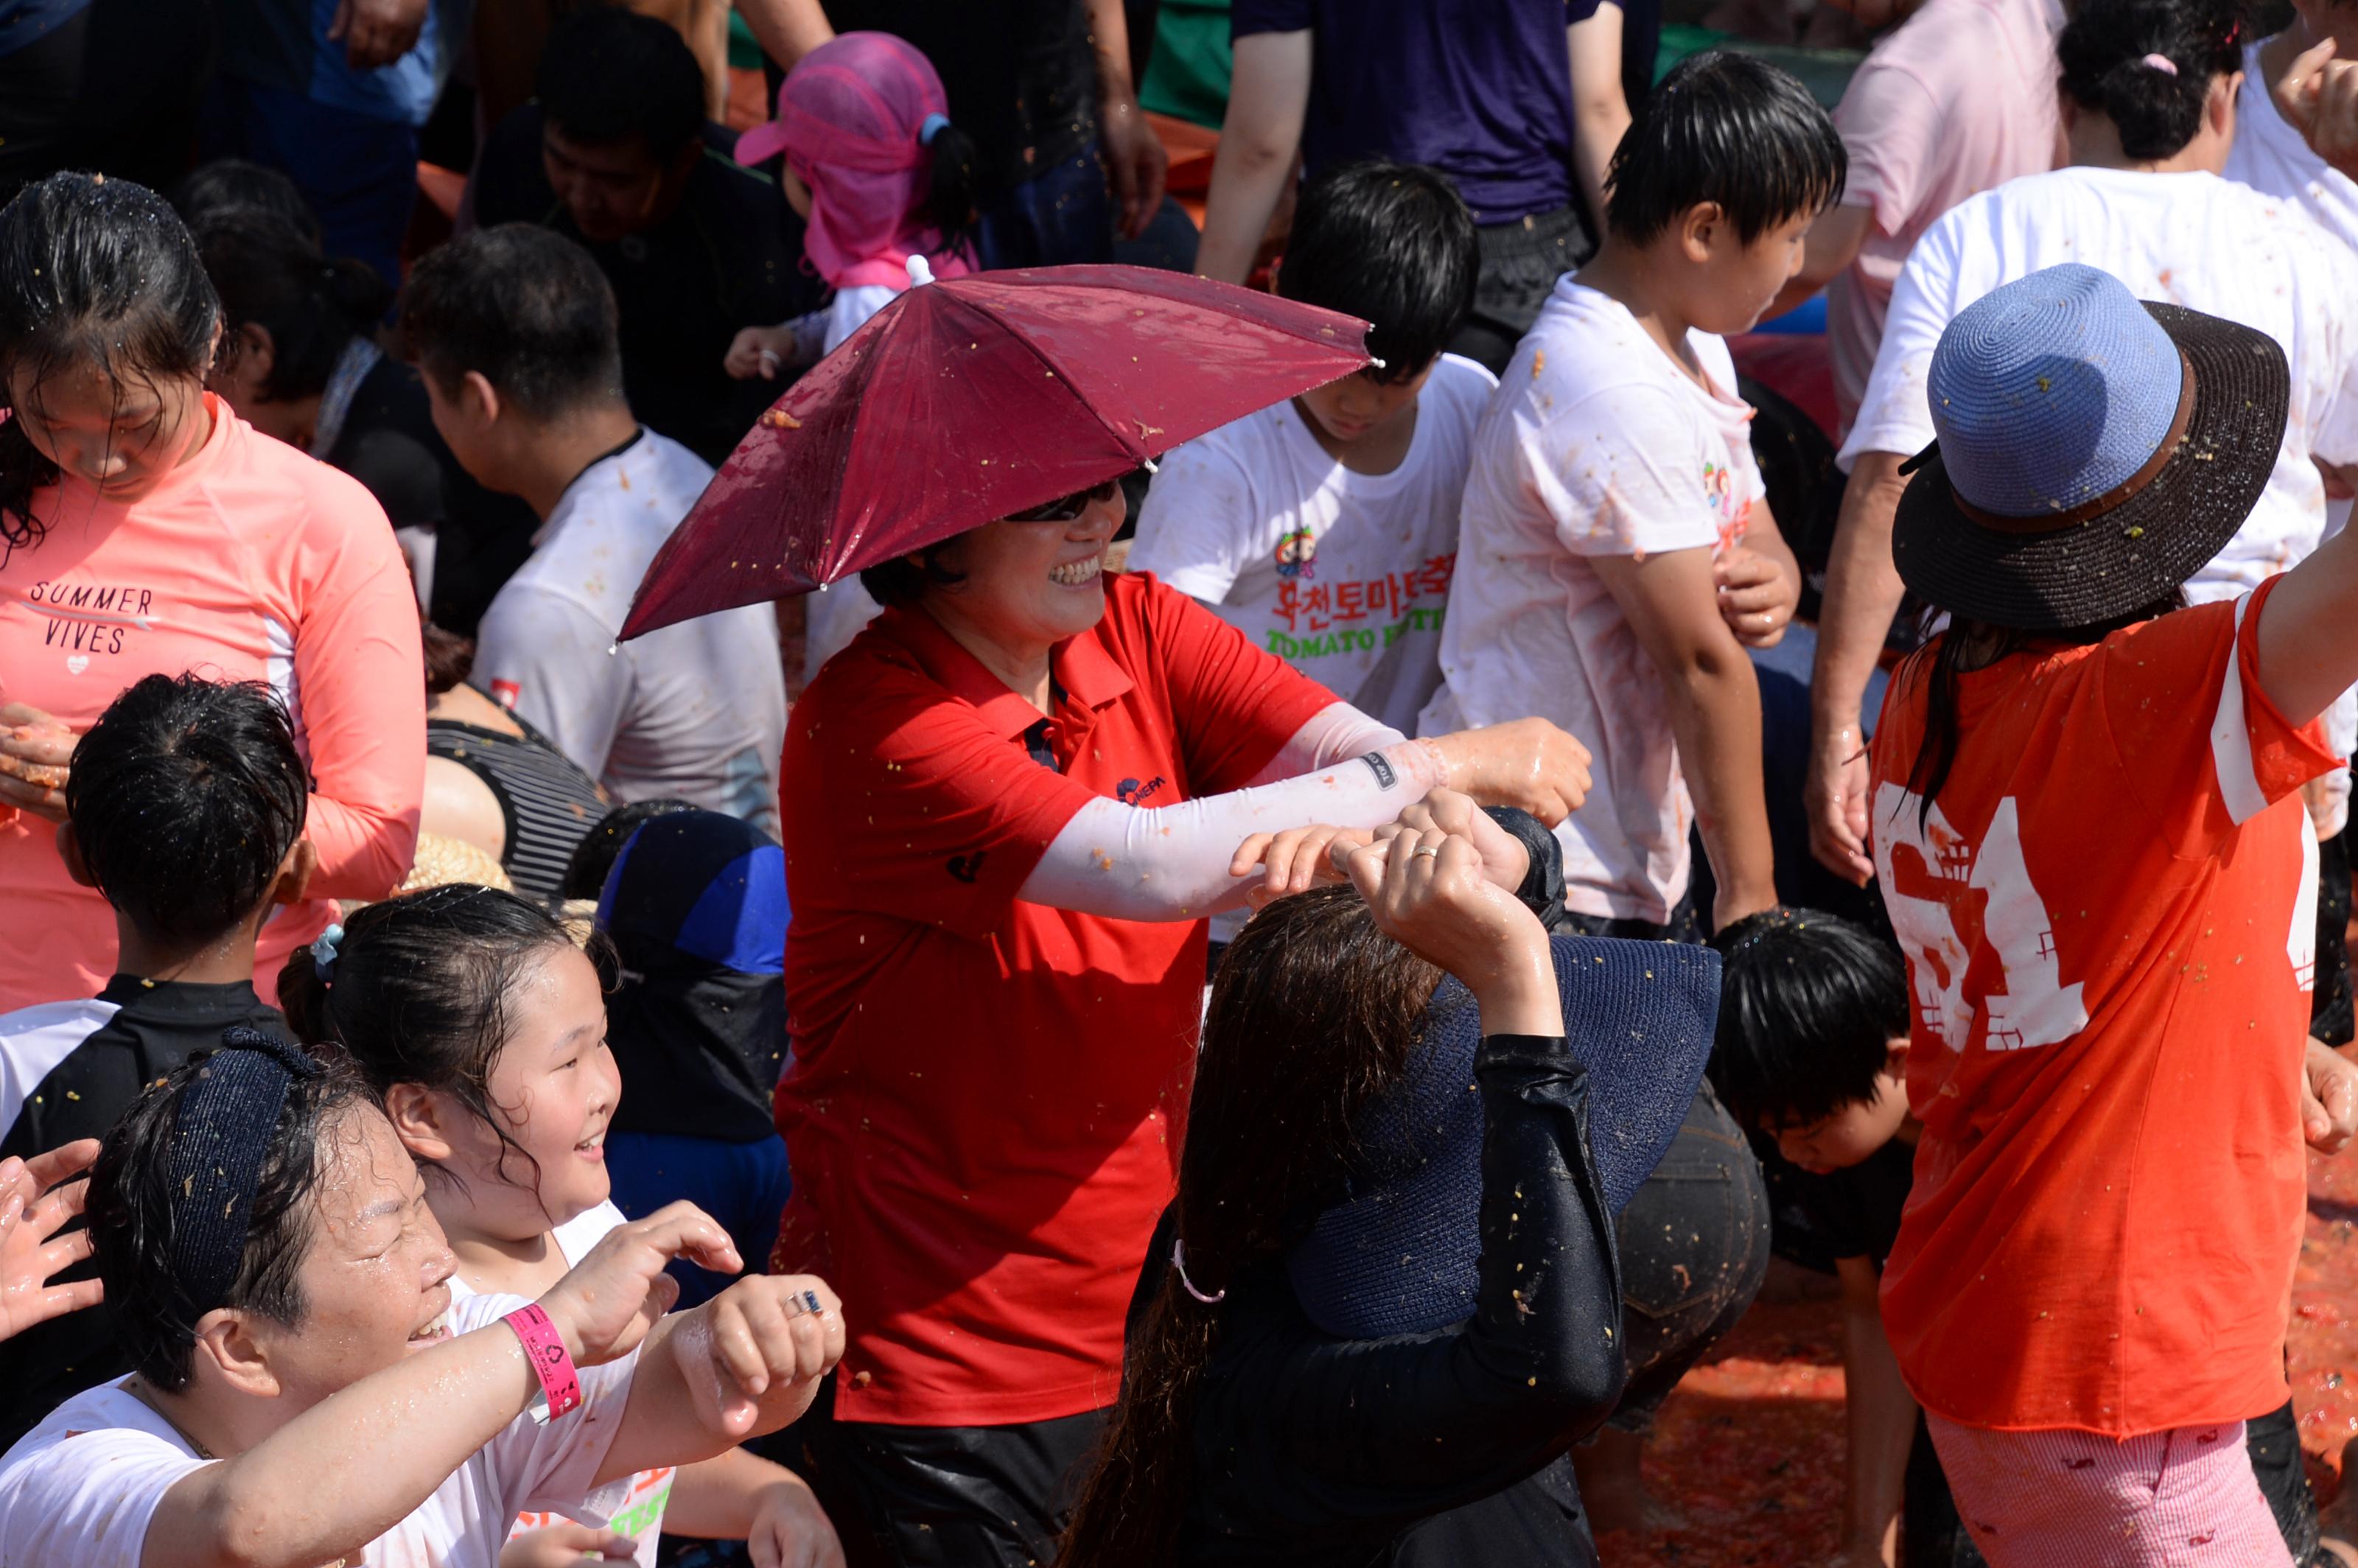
(514, 329)
(1325, 528)
(1616, 552)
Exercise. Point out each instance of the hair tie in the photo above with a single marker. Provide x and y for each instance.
(323, 952)
(222, 1135)
(931, 125)
(1179, 1261)
(2160, 62)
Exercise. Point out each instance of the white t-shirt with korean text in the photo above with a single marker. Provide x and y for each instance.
(1597, 444)
(1343, 575)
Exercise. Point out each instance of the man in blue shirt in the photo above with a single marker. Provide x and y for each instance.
(1480, 90)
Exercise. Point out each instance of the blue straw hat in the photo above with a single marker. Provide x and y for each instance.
(2095, 451)
(1401, 1251)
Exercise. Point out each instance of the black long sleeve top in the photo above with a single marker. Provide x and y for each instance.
(1316, 1450)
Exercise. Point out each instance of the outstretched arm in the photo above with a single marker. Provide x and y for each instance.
(356, 1464)
(1177, 862)
(742, 1365)
(2306, 655)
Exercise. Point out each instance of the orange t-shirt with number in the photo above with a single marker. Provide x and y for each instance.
(2110, 921)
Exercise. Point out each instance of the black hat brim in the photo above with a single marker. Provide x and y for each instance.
(2131, 556)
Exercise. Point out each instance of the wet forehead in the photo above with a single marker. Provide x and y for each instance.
(368, 1184)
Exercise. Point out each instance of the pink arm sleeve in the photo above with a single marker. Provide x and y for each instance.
(359, 691)
(1333, 733)
(1171, 863)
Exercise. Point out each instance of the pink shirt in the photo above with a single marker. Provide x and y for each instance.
(1961, 97)
(251, 562)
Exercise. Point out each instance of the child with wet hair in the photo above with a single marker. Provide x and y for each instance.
(482, 1028)
(186, 810)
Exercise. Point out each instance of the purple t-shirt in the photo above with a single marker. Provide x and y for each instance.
(1479, 88)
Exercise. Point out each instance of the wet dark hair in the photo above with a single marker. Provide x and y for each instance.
(1966, 644)
(450, 658)
(2102, 50)
(96, 273)
(1809, 1005)
(609, 75)
(525, 308)
(953, 194)
(1314, 1013)
(593, 858)
(231, 186)
(1728, 129)
(268, 276)
(132, 1195)
(1394, 244)
(419, 990)
(185, 798)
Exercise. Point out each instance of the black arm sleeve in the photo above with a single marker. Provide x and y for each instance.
(1374, 1430)
(1543, 888)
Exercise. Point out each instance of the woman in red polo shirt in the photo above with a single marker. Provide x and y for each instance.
(1008, 807)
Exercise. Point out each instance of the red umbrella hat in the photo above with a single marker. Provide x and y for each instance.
(970, 399)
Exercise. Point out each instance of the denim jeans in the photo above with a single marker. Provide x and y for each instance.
(358, 172)
(1694, 1248)
(1520, 261)
(1059, 217)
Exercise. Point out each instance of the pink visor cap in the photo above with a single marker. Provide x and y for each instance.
(863, 101)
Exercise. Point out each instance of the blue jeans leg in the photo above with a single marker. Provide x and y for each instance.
(1058, 218)
(360, 174)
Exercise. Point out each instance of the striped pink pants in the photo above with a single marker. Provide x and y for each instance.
(2181, 1499)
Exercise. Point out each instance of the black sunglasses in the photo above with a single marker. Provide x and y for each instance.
(1069, 507)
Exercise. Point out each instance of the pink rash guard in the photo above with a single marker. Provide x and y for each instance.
(250, 562)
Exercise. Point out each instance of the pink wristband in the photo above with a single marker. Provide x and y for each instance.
(560, 1384)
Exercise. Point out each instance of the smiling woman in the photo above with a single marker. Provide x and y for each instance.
(188, 541)
(302, 1397)
(966, 812)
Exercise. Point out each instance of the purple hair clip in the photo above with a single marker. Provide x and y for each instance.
(1179, 1261)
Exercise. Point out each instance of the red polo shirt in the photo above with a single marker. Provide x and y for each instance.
(981, 1099)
